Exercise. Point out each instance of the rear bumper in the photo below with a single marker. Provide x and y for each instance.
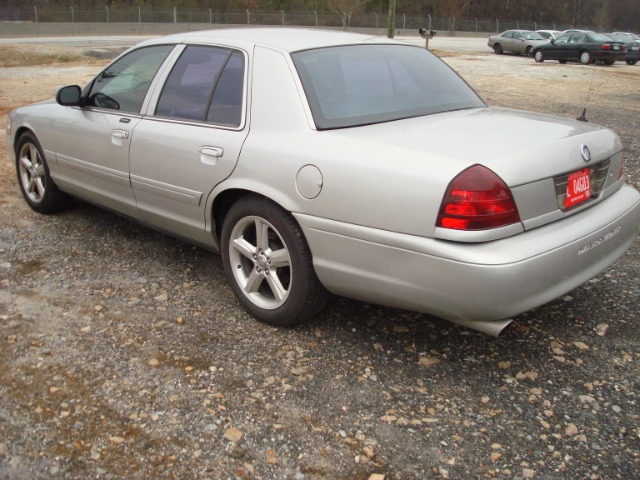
(473, 284)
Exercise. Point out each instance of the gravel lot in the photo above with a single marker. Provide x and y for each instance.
(124, 354)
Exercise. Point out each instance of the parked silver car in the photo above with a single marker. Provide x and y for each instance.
(516, 41)
(320, 162)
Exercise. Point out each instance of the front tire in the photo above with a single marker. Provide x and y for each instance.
(631, 62)
(497, 48)
(268, 262)
(538, 56)
(34, 179)
(585, 57)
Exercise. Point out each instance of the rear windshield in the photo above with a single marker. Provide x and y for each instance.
(363, 84)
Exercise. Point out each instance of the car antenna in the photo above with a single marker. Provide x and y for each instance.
(583, 116)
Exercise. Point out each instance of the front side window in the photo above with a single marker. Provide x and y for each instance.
(517, 35)
(364, 84)
(562, 40)
(123, 84)
(206, 85)
(508, 34)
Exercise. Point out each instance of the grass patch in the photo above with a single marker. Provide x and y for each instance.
(18, 56)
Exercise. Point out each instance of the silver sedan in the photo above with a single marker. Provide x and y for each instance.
(516, 41)
(319, 162)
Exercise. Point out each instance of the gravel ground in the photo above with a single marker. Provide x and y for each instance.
(124, 354)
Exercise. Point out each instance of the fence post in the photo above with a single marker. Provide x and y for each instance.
(282, 12)
(316, 14)
(404, 21)
(36, 10)
(554, 26)
(376, 22)
(73, 16)
(139, 16)
(248, 17)
(175, 19)
(535, 26)
(476, 24)
(453, 24)
(429, 22)
(107, 13)
(497, 26)
(210, 17)
(517, 24)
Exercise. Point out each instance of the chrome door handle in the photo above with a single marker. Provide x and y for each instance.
(209, 155)
(120, 134)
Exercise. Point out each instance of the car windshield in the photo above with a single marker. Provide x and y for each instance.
(533, 36)
(358, 85)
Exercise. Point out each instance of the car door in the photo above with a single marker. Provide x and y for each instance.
(507, 41)
(517, 44)
(190, 140)
(557, 49)
(92, 141)
(575, 45)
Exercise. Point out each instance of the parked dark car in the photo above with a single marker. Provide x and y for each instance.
(583, 47)
(631, 41)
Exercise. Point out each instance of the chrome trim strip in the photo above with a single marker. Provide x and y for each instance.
(166, 190)
(109, 174)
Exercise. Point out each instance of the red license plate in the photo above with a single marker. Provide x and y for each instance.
(578, 188)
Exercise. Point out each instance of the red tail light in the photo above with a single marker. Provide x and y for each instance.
(477, 199)
(606, 46)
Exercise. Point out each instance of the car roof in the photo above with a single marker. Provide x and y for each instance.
(285, 39)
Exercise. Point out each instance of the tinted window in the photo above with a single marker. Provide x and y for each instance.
(226, 103)
(359, 85)
(508, 34)
(207, 83)
(517, 35)
(563, 39)
(124, 84)
(596, 37)
(577, 38)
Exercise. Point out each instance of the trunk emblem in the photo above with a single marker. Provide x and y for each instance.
(586, 153)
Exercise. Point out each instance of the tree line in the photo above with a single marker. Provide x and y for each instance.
(600, 14)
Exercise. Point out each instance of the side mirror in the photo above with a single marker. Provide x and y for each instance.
(552, 41)
(69, 96)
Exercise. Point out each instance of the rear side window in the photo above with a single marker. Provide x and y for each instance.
(206, 84)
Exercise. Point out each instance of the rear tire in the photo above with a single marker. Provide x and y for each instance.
(586, 58)
(34, 179)
(269, 265)
(631, 62)
(538, 56)
(497, 48)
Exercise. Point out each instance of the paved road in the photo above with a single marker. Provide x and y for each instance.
(455, 44)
